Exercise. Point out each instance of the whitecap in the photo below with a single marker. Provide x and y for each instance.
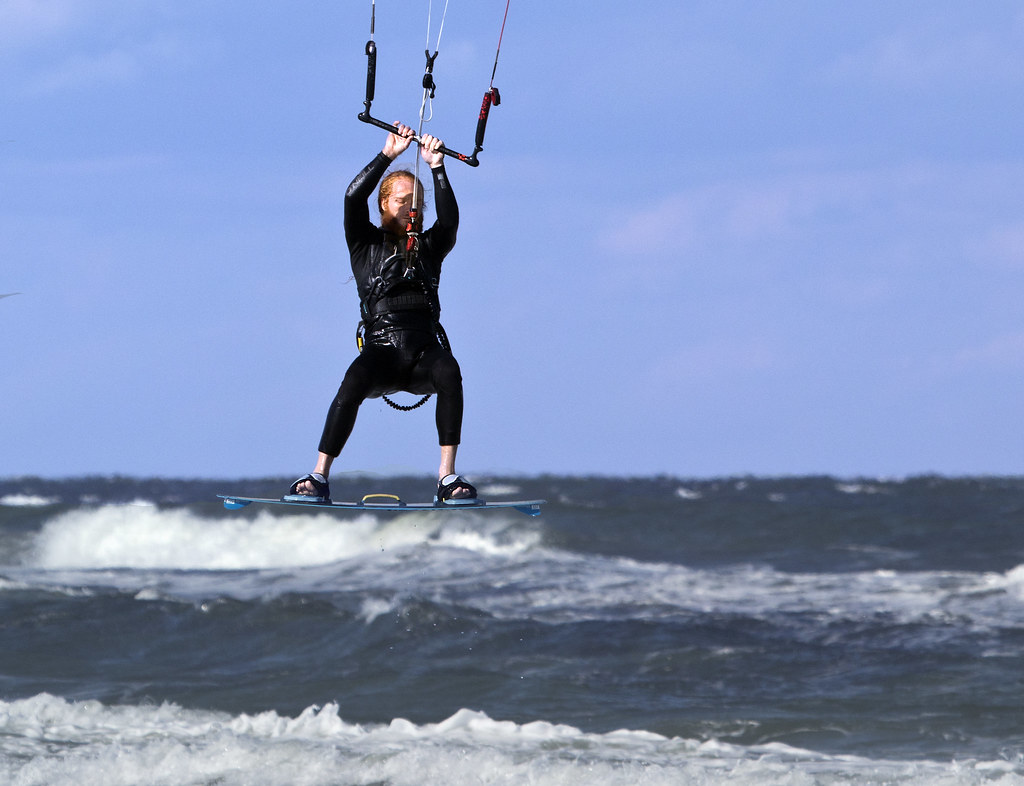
(498, 490)
(49, 740)
(146, 536)
(27, 501)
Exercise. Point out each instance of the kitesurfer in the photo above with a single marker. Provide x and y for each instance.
(396, 267)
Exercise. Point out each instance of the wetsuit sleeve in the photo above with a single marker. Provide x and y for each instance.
(446, 226)
(357, 212)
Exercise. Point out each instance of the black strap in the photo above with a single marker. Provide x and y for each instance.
(408, 302)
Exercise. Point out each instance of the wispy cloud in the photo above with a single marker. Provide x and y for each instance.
(999, 352)
(718, 359)
(117, 65)
(1001, 247)
(940, 53)
(25, 22)
(745, 213)
(841, 213)
(59, 45)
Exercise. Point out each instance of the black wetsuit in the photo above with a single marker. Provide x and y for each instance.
(400, 313)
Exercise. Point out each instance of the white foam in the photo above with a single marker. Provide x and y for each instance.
(372, 608)
(553, 586)
(499, 490)
(472, 558)
(27, 501)
(48, 741)
(145, 536)
(483, 540)
(860, 488)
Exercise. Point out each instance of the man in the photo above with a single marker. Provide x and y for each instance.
(397, 268)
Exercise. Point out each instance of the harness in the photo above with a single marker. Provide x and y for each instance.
(377, 303)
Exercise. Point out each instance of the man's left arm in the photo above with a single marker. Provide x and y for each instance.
(446, 226)
(444, 202)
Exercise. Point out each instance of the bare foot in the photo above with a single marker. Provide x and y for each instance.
(461, 488)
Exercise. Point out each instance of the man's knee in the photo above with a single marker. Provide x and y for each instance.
(355, 387)
(447, 376)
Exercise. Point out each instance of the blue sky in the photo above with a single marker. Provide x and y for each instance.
(705, 238)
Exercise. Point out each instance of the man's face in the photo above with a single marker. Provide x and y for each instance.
(395, 209)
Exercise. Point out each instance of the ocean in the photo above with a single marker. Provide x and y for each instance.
(747, 630)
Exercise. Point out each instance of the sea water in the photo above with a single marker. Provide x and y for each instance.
(644, 631)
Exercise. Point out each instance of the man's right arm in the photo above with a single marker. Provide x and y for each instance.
(357, 211)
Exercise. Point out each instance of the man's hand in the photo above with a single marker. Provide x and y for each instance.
(430, 149)
(398, 141)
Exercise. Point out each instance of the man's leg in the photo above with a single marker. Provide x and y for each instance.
(446, 377)
(341, 418)
(448, 468)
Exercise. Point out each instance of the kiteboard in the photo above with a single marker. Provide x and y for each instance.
(388, 502)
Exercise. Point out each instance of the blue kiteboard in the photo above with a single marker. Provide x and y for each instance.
(388, 502)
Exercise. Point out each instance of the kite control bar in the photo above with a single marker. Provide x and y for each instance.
(491, 97)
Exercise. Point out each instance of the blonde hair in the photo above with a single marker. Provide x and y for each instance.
(387, 185)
